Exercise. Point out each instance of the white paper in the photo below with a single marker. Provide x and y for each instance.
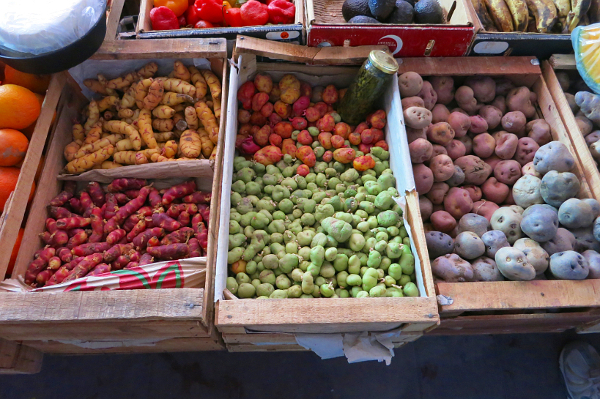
(326, 346)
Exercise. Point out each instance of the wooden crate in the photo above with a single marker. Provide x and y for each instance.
(16, 358)
(269, 325)
(582, 152)
(483, 307)
(115, 321)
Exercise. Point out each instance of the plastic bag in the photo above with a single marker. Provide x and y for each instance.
(41, 26)
(586, 43)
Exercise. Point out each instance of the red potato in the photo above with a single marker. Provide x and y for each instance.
(495, 191)
(344, 130)
(437, 193)
(443, 221)
(460, 123)
(592, 137)
(423, 178)
(514, 122)
(492, 161)
(428, 95)
(476, 171)
(426, 208)
(478, 124)
(492, 116)
(78, 237)
(506, 144)
(307, 156)
(485, 209)
(342, 155)
(39, 264)
(507, 172)
(458, 202)
(51, 225)
(275, 140)
(323, 137)
(179, 236)
(337, 142)
(62, 198)
(129, 223)
(170, 252)
(72, 222)
(184, 218)
(439, 113)
(194, 247)
(205, 212)
(111, 206)
(140, 227)
(420, 150)
(474, 192)
(145, 259)
(266, 110)
(86, 204)
(484, 145)
(119, 185)
(115, 236)
(268, 155)
(46, 237)
(484, 87)
(526, 149)
(120, 262)
(243, 116)
(178, 191)
(96, 193)
(91, 248)
(54, 263)
(99, 269)
(121, 198)
(500, 103)
(58, 212)
(115, 251)
(258, 100)
(141, 240)
(442, 167)
(135, 204)
(165, 221)
(509, 199)
(257, 118)
(456, 149)
(110, 225)
(64, 254)
(414, 134)
(438, 150)
(97, 224)
(43, 277)
(468, 143)
(413, 101)
(465, 98)
(75, 205)
(202, 236)
(283, 129)
(444, 88)
(59, 239)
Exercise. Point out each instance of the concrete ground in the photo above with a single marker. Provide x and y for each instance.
(459, 367)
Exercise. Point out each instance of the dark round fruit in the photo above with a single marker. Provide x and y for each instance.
(381, 9)
(402, 14)
(363, 19)
(353, 8)
(428, 12)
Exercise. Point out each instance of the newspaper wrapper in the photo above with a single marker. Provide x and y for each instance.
(184, 273)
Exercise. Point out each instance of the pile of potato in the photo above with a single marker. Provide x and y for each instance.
(313, 210)
(497, 195)
(144, 119)
(124, 225)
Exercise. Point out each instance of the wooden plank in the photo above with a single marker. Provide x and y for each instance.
(470, 66)
(113, 19)
(514, 323)
(574, 135)
(325, 315)
(144, 24)
(102, 314)
(126, 346)
(15, 210)
(418, 234)
(503, 295)
(162, 48)
(303, 54)
(16, 358)
(563, 61)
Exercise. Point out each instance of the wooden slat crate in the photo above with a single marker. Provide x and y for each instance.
(485, 307)
(178, 319)
(16, 358)
(582, 152)
(270, 325)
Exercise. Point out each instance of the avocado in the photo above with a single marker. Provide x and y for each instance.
(353, 8)
(381, 9)
(411, 2)
(402, 14)
(428, 12)
(363, 19)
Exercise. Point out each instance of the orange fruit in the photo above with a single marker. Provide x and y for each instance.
(28, 131)
(19, 107)
(13, 147)
(8, 181)
(15, 252)
(36, 83)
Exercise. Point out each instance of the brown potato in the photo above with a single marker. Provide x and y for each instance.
(503, 86)
(474, 192)
(485, 208)
(507, 172)
(458, 202)
(526, 149)
(413, 134)
(465, 98)
(426, 208)
(410, 84)
(423, 178)
(584, 124)
(468, 143)
(494, 191)
(514, 122)
(438, 150)
(500, 103)
(443, 221)
(492, 161)
(572, 104)
(478, 124)
(440, 133)
(540, 131)
(476, 171)
(484, 88)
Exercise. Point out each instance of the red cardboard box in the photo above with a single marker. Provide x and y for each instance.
(326, 27)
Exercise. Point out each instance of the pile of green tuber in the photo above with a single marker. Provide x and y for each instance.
(334, 233)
